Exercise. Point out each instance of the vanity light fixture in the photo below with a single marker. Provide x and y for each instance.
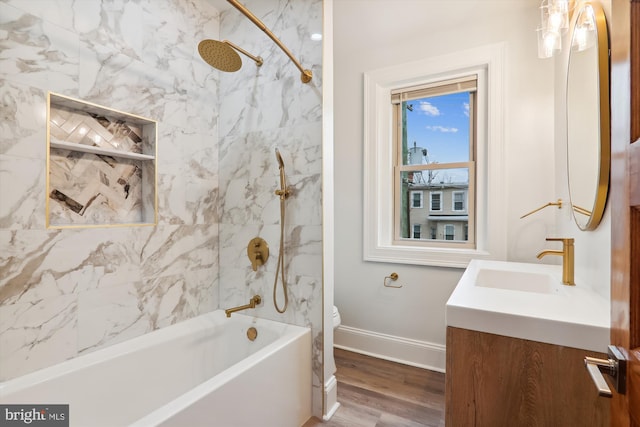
(554, 21)
(584, 35)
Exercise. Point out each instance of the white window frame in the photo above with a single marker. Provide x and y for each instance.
(421, 199)
(453, 201)
(413, 230)
(431, 194)
(488, 63)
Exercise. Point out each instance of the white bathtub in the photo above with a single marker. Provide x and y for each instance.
(200, 372)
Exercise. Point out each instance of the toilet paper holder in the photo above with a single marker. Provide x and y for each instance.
(387, 281)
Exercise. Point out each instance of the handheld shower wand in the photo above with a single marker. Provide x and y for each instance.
(283, 192)
(279, 159)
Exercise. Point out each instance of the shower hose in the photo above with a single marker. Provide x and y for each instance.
(280, 264)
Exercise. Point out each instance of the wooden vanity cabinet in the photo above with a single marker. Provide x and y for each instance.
(498, 381)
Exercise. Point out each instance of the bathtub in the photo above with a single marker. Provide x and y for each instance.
(200, 372)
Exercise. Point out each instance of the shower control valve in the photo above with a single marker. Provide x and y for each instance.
(258, 252)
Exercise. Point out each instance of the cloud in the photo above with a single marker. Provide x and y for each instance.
(465, 108)
(442, 129)
(429, 109)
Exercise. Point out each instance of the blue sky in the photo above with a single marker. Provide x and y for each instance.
(441, 125)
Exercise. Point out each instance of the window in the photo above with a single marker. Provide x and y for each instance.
(458, 201)
(416, 199)
(435, 204)
(449, 231)
(439, 119)
(416, 231)
(392, 174)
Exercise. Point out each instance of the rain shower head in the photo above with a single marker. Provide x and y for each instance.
(219, 55)
(223, 56)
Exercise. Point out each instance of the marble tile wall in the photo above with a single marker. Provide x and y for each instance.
(67, 292)
(265, 108)
(86, 188)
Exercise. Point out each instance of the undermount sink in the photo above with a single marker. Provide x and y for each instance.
(521, 281)
(529, 301)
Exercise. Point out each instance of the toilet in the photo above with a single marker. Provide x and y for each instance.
(336, 318)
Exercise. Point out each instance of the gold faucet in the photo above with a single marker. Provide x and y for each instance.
(252, 304)
(567, 257)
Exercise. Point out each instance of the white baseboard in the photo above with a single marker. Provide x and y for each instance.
(330, 398)
(396, 349)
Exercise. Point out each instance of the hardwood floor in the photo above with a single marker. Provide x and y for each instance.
(378, 393)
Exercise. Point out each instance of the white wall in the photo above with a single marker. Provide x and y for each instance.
(409, 323)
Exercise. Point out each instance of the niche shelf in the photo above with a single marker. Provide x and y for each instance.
(99, 151)
(101, 166)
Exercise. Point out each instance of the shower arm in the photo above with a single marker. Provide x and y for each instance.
(257, 59)
(307, 75)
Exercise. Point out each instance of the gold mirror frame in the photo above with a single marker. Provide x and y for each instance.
(588, 217)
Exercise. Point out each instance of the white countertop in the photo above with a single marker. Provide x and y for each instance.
(571, 316)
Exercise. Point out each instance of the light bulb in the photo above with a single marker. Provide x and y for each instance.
(546, 43)
(550, 42)
(555, 21)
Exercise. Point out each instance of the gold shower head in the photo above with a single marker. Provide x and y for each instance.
(223, 56)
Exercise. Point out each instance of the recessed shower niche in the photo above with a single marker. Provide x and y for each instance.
(101, 166)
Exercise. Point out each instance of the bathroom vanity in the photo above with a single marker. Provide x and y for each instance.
(516, 342)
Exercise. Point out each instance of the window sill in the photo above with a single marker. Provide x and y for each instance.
(436, 257)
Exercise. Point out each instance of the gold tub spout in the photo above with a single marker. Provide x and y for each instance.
(252, 304)
(567, 258)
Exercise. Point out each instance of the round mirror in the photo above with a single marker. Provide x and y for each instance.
(588, 132)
